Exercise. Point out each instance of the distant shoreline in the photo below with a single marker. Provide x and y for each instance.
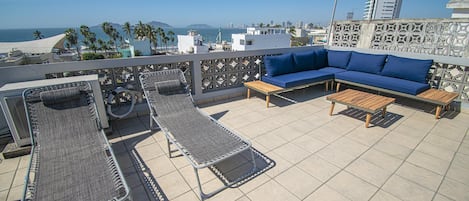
(26, 34)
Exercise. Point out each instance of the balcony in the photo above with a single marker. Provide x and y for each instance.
(309, 155)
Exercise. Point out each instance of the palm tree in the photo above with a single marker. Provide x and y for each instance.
(139, 30)
(103, 45)
(171, 37)
(110, 31)
(90, 37)
(160, 33)
(72, 38)
(37, 35)
(151, 33)
(165, 41)
(292, 31)
(128, 29)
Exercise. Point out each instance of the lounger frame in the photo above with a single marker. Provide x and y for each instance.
(186, 153)
(30, 187)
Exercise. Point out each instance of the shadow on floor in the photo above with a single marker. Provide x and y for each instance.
(376, 120)
(151, 185)
(299, 95)
(412, 103)
(227, 171)
(241, 166)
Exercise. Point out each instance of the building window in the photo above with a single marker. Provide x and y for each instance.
(241, 41)
(249, 42)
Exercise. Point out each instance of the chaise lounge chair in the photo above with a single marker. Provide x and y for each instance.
(71, 158)
(200, 138)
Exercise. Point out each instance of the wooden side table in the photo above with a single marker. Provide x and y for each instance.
(438, 97)
(263, 88)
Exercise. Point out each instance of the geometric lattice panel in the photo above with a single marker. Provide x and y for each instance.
(429, 36)
(111, 78)
(346, 34)
(226, 73)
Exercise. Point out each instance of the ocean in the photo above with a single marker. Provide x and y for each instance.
(16, 35)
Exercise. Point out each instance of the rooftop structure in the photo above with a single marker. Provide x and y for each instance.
(257, 38)
(382, 9)
(45, 45)
(460, 8)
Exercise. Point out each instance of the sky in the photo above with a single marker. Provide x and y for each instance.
(180, 13)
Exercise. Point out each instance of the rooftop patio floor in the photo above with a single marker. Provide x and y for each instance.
(408, 155)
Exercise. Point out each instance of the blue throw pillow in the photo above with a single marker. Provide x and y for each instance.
(304, 60)
(321, 59)
(406, 68)
(367, 63)
(278, 65)
(338, 59)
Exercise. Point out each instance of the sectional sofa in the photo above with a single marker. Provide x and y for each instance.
(392, 74)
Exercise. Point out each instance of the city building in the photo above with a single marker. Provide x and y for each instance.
(257, 38)
(382, 9)
(192, 43)
(460, 8)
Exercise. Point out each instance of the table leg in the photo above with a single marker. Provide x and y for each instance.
(438, 111)
(267, 100)
(249, 93)
(332, 108)
(368, 119)
(327, 85)
(384, 112)
(338, 87)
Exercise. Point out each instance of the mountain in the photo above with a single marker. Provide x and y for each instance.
(159, 24)
(155, 24)
(199, 26)
(115, 25)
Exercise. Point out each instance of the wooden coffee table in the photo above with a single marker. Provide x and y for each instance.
(438, 97)
(370, 103)
(263, 88)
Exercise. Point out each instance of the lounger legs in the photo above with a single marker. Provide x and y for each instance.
(204, 196)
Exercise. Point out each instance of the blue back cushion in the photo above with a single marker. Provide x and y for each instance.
(367, 63)
(338, 58)
(279, 65)
(321, 58)
(304, 60)
(406, 68)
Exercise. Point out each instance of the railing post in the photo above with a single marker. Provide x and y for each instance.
(197, 78)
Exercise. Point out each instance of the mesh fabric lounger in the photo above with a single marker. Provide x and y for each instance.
(71, 158)
(200, 138)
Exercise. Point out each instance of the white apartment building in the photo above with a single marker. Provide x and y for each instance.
(257, 38)
(192, 43)
(382, 9)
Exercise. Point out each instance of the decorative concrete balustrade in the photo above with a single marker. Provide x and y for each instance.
(219, 75)
(447, 37)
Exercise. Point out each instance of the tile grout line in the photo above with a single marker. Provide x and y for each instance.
(14, 176)
(449, 166)
(403, 161)
(343, 169)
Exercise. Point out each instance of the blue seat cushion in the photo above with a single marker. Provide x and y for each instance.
(390, 83)
(304, 60)
(406, 68)
(338, 59)
(279, 65)
(368, 63)
(298, 78)
(332, 70)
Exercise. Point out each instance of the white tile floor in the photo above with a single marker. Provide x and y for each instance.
(407, 156)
